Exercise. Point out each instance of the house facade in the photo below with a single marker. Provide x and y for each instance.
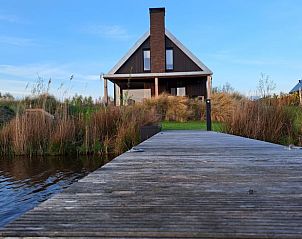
(158, 63)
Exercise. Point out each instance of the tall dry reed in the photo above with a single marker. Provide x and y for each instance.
(128, 127)
(26, 134)
(107, 130)
(63, 136)
(255, 119)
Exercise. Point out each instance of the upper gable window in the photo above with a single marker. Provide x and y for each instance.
(147, 60)
(169, 59)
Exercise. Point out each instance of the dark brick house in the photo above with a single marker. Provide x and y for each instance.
(158, 63)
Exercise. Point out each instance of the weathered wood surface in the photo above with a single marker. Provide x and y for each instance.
(187, 184)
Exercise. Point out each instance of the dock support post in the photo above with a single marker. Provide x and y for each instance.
(208, 104)
(156, 87)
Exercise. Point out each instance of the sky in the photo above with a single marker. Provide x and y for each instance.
(237, 39)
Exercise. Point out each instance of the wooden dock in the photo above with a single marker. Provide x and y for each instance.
(186, 184)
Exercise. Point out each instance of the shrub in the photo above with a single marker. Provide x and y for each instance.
(177, 108)
(6, 114)
(223, 106)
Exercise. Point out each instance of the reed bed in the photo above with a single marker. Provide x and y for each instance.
(106, 130)
(268, 122)
(80, 126)
(276, 119)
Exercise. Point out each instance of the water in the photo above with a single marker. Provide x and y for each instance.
(25, 182)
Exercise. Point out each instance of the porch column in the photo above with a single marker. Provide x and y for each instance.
(208, 103)
(300, 95)
(114, 93)
(209, 86)
(156, 87)
(117, 95)
(105, 91)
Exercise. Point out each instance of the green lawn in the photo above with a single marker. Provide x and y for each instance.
(190, 125)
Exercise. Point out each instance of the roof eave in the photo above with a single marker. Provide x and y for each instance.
(160, 75)
(296, 88)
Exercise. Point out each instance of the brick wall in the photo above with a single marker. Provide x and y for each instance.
(157, 39)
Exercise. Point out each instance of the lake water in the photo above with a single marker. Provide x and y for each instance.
(26, 182)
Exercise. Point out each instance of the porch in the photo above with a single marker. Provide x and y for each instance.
(137, 89)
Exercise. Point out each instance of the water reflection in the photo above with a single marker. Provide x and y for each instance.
(25, 182)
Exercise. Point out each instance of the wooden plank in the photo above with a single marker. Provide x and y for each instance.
(186, 184)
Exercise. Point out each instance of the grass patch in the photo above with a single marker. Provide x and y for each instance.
(190, 125)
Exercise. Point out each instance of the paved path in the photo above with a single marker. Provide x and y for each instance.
(186, 184)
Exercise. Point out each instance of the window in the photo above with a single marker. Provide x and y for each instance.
(179, 91)
(169, 59)
(136, 95)
(147, 60)
(173, 91)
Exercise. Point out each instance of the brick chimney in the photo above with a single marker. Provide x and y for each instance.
(157, 39)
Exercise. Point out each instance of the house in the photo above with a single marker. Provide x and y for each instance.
(297, 87)
(158, 63)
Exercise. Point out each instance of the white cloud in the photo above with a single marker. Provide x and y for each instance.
(21, 79)
(228, 57)
(107, 31)
(85, 78)
(15, 87)
(46, 71)
(17, 41)
(32, 71)
(9, 18)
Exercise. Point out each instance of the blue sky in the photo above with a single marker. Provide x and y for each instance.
(237, 39)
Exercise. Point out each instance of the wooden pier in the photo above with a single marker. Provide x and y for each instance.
(186, 184)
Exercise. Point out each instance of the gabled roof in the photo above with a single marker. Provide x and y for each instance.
(129, 53)
(188, 52)
(297, 87)
(205, 70)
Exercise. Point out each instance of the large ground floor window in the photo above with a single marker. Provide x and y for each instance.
(131, 96)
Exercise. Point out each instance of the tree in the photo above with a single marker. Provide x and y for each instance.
(266, 86)
(225, 88)
(7, 96)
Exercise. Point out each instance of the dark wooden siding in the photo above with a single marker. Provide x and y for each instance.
(182, 63)
(135, 63)
(195, 86)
